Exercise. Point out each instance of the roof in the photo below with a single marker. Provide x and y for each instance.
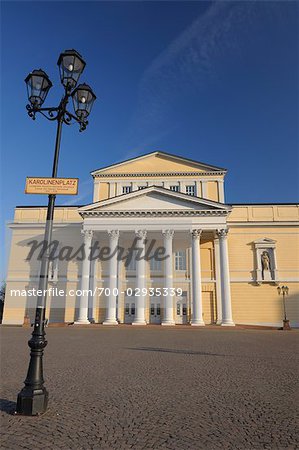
(180, 158)
(231, 204)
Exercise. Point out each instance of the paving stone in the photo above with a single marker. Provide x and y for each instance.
(122, 388)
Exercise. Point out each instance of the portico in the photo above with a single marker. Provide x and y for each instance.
(162, 292)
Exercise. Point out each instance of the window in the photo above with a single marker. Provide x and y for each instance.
(175, 187)
(190, 190)
(132, 263)
(180, 260)
(156, 264)
(127, 189)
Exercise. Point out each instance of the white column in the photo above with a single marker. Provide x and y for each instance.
(196, 280)
(118, 188)
(120, 305)
(111, 306)
(227, 319)
(204, 190)
(83, 308)
(218, 279)
(112, 187)
(168, 278)
(220, 184)
(140, 278)
(93, 285)
(198, 189)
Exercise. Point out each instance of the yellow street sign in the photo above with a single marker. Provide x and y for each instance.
(44, 185)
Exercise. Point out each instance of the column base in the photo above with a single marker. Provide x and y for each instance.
(110, 322)
(168, 324)
(82, 322)
(198, 323)
(228, 324)
(219, 322)
(139, 323)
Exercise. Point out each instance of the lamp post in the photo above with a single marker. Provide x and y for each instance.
(284, 290)
(33, 398)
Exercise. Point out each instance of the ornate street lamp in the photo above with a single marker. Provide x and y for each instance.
(33, 398)
(83, 99)
(71, 66)
(284, 290)
(38, 85)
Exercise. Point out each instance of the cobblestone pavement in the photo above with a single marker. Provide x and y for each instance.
(155, 388)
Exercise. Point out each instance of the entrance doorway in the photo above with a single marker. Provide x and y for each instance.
(130, 309)
(155, 310)
(181, 310)
(208, 308)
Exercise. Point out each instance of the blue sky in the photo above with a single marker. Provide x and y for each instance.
(212, 81)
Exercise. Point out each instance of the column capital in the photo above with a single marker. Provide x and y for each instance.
(195, 234)
(87, 234)
(168, 234)
(113, 234)
(141, 234)
(222, 233)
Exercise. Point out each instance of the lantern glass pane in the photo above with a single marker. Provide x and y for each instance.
(83, 99)
(38, 86)
(71, 66)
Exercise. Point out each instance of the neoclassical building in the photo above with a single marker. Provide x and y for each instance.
(196, 260)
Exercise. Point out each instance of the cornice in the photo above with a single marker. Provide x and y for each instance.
(42, 224)
(270, 224)
(173, 213)
(158, 174)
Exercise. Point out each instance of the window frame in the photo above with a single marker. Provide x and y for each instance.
(158, 264)
(126, 189)
(180, 257)
(192, 186)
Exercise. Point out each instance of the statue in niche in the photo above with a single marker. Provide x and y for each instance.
(265, 264)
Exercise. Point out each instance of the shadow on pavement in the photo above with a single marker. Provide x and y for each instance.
(7, 406)
(170, 350)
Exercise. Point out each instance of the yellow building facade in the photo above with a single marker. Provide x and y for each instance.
(221, 264)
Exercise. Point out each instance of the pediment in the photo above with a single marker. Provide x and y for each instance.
(157, 162)
(264, 241)
(154, 199)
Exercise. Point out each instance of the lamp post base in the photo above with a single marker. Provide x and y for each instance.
(32, 402)
(286, 325)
